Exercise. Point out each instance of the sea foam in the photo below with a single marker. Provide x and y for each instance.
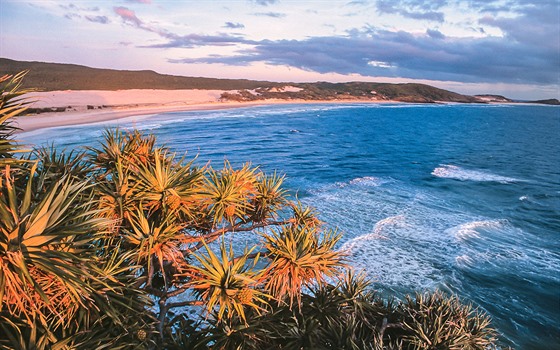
(455, 172)
(473, 229)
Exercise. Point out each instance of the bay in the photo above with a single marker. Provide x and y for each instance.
(463, 198)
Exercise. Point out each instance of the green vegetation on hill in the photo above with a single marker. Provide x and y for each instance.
(104, 248)
(58, 76)
(551, 101)
(54, 76)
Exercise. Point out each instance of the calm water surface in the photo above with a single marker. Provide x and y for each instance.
(464, 198)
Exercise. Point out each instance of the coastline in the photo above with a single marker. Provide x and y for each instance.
(92, 106)
(77, 107)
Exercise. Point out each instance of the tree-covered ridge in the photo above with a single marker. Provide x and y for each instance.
(56, 76)
(128, 246)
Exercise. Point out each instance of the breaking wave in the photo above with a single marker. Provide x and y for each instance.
(473, 229)
(458, 173)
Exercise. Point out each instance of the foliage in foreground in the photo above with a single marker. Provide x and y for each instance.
(127, 246)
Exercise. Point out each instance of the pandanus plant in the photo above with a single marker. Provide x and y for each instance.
(55, 287)
(105, 248)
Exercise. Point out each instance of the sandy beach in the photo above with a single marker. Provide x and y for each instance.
(92, 106)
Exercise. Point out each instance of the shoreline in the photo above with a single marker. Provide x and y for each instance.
(96, 106)
(89, 107)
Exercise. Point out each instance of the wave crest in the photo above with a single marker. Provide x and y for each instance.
(455, 172)
(366, 180)
(472, 229)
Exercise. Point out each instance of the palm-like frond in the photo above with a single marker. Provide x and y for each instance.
(130, 149)
(304, 216)
(56, 163)
(12, 104)
(167, 184)
(228, 193)
(226, 283)
(301, 256)
(155, 239)
(436, 321)
(117, 199)
(268, 199)
(39, 271)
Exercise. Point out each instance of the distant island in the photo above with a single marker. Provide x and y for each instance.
(60, 77)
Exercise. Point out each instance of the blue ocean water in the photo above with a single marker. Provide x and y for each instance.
(464, 198)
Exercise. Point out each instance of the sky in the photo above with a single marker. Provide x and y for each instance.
(507, 47)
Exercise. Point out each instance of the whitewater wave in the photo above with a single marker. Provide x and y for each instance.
(143, 127)
(464, 261)
(366, 181)
(470, 230)
(386, 256)
(396, 221)
(455, 172)
(391, 266)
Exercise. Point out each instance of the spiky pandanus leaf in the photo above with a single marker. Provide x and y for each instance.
(300, 257)
(53, 286)
(436, 321)
(12, 104)
(304, 216)
(117, 199)
(155, 239)
(47, 281)
(168, 184)
(124, 313)
(269, 198)
(40, 272)
(227, 194)
(54, 163)
(226, 283)
(130, 149)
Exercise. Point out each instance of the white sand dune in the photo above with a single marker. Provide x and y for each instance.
(91, 106)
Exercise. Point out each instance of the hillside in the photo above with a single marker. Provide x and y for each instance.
(55, 76)
(58, 76)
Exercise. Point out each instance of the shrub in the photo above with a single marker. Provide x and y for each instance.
(108, 247)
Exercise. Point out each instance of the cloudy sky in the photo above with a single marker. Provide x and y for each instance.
(510, 47)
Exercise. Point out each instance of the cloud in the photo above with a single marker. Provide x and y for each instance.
(198, 40)
(76, 8)
(265, 2)
(533, 25)
(128, 16)
(98, 19)
(399, 54)
(528, 53)
(72, 15)
(414, 9)
(79, 12)
(231, 25)
(270, 14)
(357, 3)
(140, 1)
(179, 41)
(435, 34)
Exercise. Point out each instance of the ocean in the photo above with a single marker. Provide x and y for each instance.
(462, 198)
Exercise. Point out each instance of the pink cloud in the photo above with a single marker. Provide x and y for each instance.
(128, 16)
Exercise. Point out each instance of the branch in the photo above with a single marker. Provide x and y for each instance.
(250, 256)
(212, 236)
(386, 325)
(185, 303)
(158, 293)
(177, 291)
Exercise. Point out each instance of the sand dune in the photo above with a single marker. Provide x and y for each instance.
(91, 106)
